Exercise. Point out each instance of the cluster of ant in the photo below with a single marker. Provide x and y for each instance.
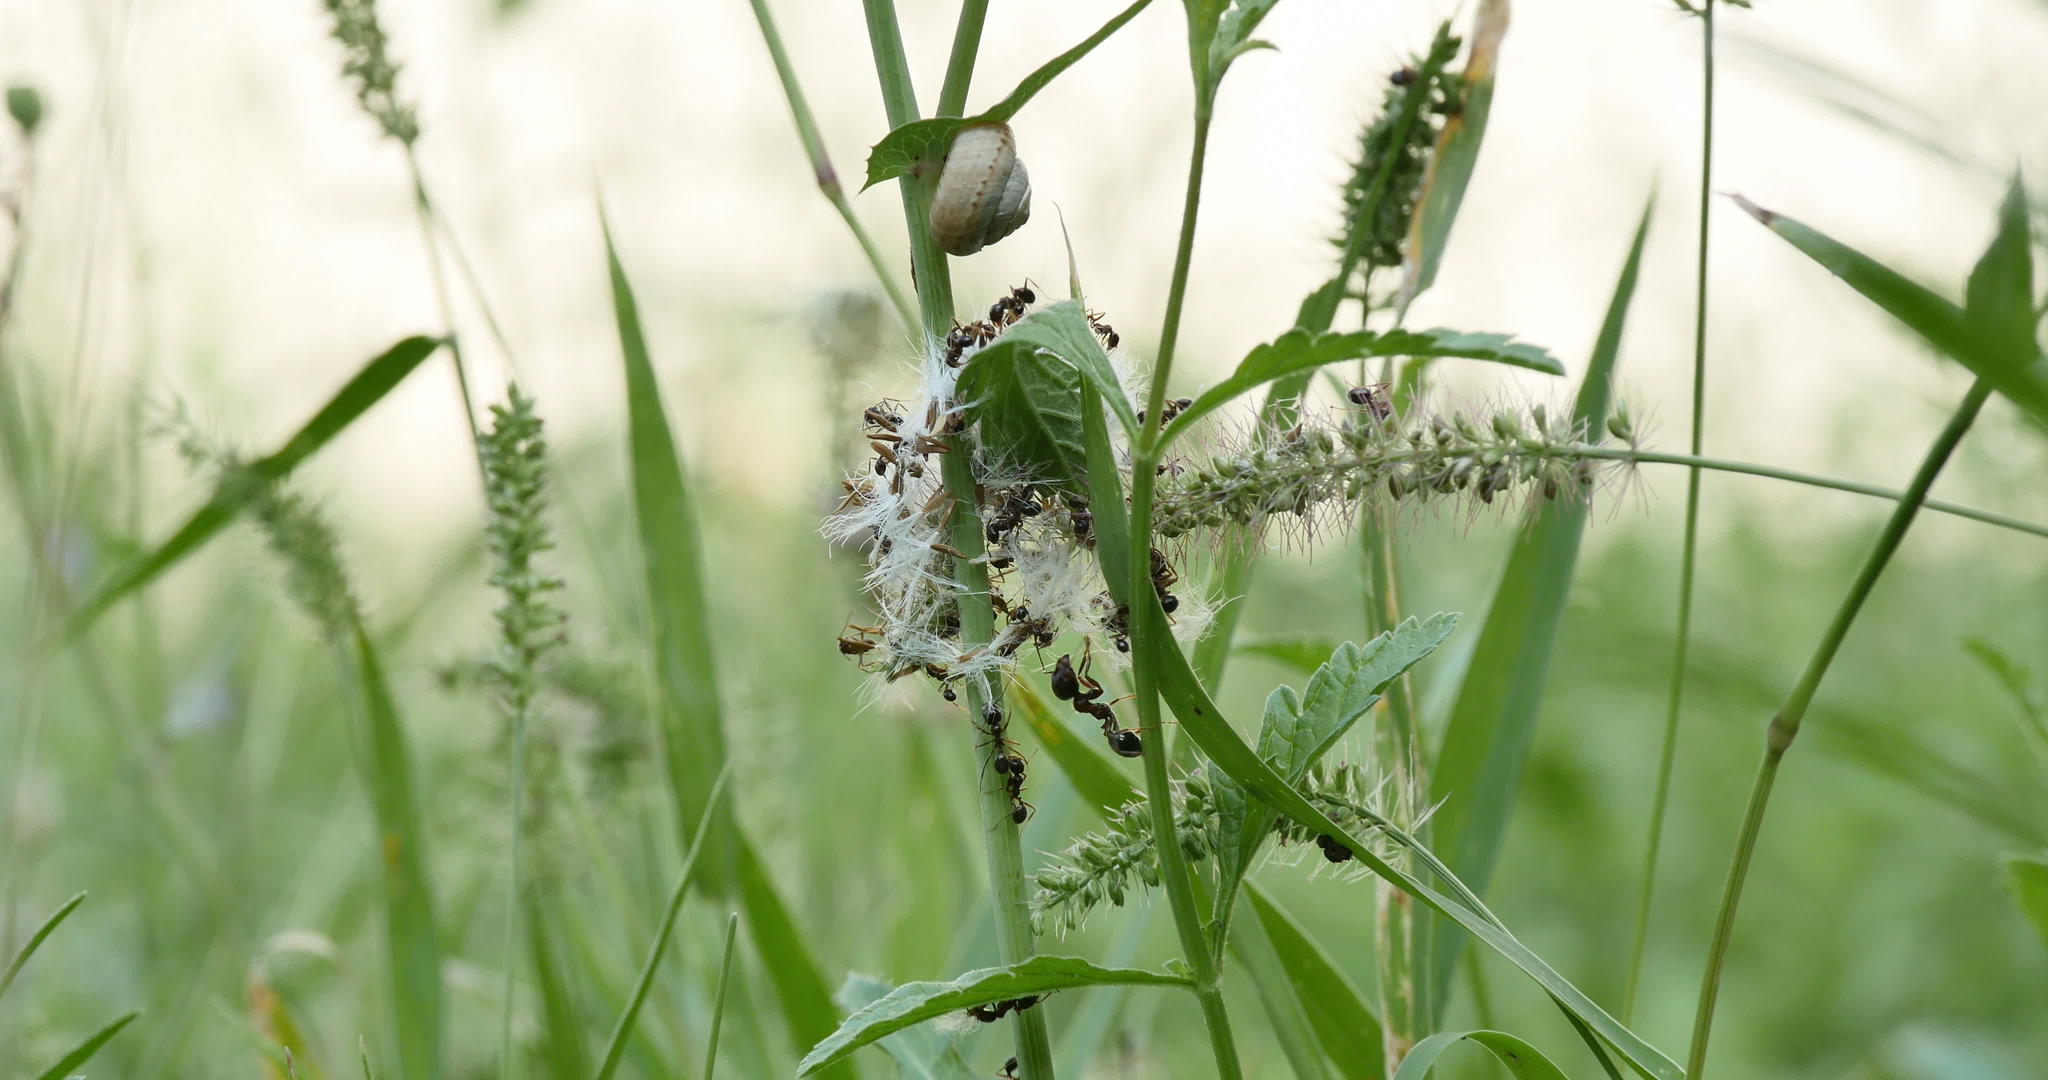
(882, 423)
(1007, 763)
(1001, 315)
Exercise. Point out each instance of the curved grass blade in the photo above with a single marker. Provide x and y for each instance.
(1282, 1000)
(1487, 738)
(1338, 1014)
(615, 1047)
(87, 1049)
(913, 1002)
(1299, 351)
(410, 937)
(35, 940)
(692, 727)
(901, 150)
(1523, 1061)
(369, 385)
(732, 929)
(920, 1053)
(2021, 377)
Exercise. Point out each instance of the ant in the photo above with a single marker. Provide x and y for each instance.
(1119, 627)
(1332, 850)
(1008, 1071)
(1169, 410)
(880, 417)
(1108, 332)
(1082, 520)
(858, 645)
(994, 1011)
(1404, 77)
(1011, 511)
(1071, 684)
(1163, 578)
(1011, 308)
(1374, 399)
(966, 337)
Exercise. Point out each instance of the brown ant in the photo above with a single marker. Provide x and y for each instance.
(1374, 399)
(858, 645)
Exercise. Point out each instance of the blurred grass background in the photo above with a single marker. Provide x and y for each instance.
(212, 223)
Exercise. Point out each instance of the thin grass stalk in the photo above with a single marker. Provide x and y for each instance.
(429, 220)
(1689, 554)
(1784, 727)
(1007, 886)
(1148, 630)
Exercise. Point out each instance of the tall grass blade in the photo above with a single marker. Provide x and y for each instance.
(369, 385)
(1456, 156)
(35, 941)
(562, 1048)
(85, 1050)
(693, 737)
(1487, 738)
(732, 929)
(1523, 1062)
(615, 1047)
(2027, 877)
(411, 941)
(1282, 999)
(1337, 1012)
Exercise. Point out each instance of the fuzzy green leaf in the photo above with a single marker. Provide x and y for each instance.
(914, 1002)
(85, 1050)
(1299, 351)
(1524, 1062)
(2023, 379)
(35, 940)
(921, 1053)
(909, 148)
(1234, 35)
(2027, 877)
(1024, 390)
(1456, 156)
(1337, 1012)
(1493, 722)
(368, 386)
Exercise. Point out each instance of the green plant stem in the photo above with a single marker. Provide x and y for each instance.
(1785, 725)
(821, 164)
(429, 219)
(960, 65)
(1689, 552)
(1005, 856)
(1149, 631)
(508, 1064)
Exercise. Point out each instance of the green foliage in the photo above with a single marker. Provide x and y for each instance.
(366, 61)
(1337, 1012)
(913, 1002)
(25, 105)
(1381, 192)
(1523, 1062)
(920, 1051)
(35, 941)
(1456, 156)
(66, 1065)
(2027, 877)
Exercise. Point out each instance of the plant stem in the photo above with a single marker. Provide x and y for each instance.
(821, 165)
(1007, 887)
(960, 65)
(1149, 631)
(1688, 555)
(429, 220)
(1785, 725)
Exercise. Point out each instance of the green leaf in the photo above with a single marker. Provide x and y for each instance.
(412, 944)
(35, 940)
(906, 149)
(1455, 157)
(732, 930)
(85, 1050)
(562, 1046)
(1337, 1012)
(369, 385)
(914, 1002)
(692, 728)
(2000, 295)
(2027, 877)
(1234, 35)
(1523, 1061)
(1024, 390)
(1283, 1000)
(2022, 379)
(921, 1053)
(1493, 722)
(1300, 351)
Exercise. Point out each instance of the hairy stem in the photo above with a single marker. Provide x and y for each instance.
(1785, 725)
(1688, 556)
(1007, 885)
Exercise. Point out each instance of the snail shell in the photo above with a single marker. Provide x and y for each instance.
(984, 193)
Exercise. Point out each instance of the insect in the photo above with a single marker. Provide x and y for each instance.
(1072, 684)
(1374, 399)
(1008, 1071)
(1011, 308)
(1103, 329)
(1404, 77)
(857, 644)
(1332, 850)
(1169, 410)
(1163, 578)
(963, 338)
(880, 417)
(984, 192)
(1011, 510)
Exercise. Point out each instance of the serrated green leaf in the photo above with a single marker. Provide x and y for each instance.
(2024, 380)
(914, 1002)
(921, 1053)
(906, 149)
(85, 1050)
(2027, 877)
(367, 387)
(1234, 31)
(36, 939)
(1456, 156)
(1337, 1012)
(1487, 738)
(1523, 1061)
(1024, 391)
(1300, 351)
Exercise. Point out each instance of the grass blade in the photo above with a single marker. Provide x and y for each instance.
(615, 1047)
(1523, 1061)
(1338, 1014)
(1487, 738)
(87, 1049)
(1282, 999)
(369, 385)
(732, 929)
(2027, 877)
(1456, 156)
(562, 1047)
(692, 728)
(412, 944)
(35, 941)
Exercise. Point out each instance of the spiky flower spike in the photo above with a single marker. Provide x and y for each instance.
(1393, 155)
(515, 491)
(367, 62)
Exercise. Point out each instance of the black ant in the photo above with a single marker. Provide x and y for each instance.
(1374, 399)
(1404, 77)
(881, 418)
(1169, 410)
(966, 337)
(1108, 332)
(1008, 1071)
(1071, 684)
(1011, 308)
(1332, 850)
(994, 1011)
(1163, 578)
(1119, 627)
(1082, 520)
(1011, 511)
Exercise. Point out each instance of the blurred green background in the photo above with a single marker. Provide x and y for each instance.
(210, 225)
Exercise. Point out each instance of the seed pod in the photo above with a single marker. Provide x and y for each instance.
(984, 193)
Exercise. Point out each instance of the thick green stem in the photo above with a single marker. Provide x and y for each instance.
(1688, 555)
(960, 65)
(1785, 725)
(1007, 887)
